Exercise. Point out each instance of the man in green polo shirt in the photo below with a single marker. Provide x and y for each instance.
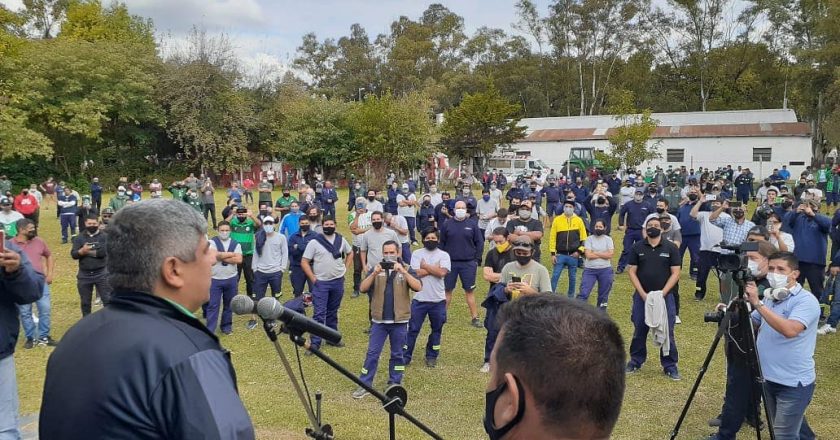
(284, 203)
(243, 225)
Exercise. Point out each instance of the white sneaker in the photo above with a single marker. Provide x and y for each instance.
(826, 329)
(677, 320)
(485, 368)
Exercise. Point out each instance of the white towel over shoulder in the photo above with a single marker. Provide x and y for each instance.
(656, 317)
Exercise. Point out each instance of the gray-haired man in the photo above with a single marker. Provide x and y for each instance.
(160, 373)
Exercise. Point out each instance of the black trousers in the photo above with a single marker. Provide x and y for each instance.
(708, 260)
(86, 281)
(210, 208)
(357, 268)
(249, 273)
(96, 202)
(815, 275)
(34, 217)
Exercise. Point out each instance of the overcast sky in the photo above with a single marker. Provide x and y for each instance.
(267, 32)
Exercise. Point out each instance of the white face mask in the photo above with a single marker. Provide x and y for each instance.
(754, 270)
(268, 228)
(569, 211)
(524, 214)
(224, 236)
(777, 280)
(460, 213)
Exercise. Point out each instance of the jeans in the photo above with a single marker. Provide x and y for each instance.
(412, 225)
(28, 323)
(86, 281)
(396, 333)
(326, 298)
(787, 409)
(638, 345)
(834, 315)
(741, 398)
(221, 294)
(9, 429)
(564, 261)
(604, 277)
(437, 317)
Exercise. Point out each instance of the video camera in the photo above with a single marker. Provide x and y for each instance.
(736, 267)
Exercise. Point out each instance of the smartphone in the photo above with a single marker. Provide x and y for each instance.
(515, 279)
(735, 204)
(711, 197)
(2, 240)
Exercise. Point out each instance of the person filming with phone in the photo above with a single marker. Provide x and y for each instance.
(89, 249)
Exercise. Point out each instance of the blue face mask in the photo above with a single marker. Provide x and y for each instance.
(486, 198)
(268, 228)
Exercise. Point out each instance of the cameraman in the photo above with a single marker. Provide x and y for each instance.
(390, 308)
(786, 340)
(742, 394)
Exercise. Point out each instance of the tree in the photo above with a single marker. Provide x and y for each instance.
(481, 123)
(314, 134)
(45, 15)
(629, 140)
(88, 21)
(355, 65)
(392, 133)
(318, 61)
(206, 115)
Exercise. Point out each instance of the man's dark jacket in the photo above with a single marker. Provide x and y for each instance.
(22, 287)
(141, 369)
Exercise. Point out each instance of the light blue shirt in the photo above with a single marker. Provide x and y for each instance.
(790, 361)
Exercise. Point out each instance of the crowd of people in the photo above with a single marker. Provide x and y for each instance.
(412, 242)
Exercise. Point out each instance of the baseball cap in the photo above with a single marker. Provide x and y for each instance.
(120, 188)
(108, 210)
(267, 219)
(5, 201)
(640, 190)
(523, 242)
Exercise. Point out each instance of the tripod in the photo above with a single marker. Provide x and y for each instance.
(736, 306)
(393, 400)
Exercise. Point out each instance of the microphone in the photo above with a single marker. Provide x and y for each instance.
(243, 305)
(270, 309)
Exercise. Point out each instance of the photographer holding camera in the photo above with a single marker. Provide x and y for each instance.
(787, 336)
(389, 286)
(742, 393)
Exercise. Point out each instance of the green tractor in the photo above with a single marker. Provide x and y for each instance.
(582, 158)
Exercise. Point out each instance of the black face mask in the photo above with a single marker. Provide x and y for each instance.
(513, 208)
(241, 218)
(660, 210)
(600, 231)
(285, 194)
(91, 229)
(738, 214)
(767, 184)
(31, 234)
(430, 245)
(692, 197)
(304, 228)
(490, 407)
(377, 225)
(371, 198)
(329, 230)
(653, 232)
(787, 205)
(523, 260)
(313, 218)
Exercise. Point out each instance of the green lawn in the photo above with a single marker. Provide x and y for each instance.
(450, 398)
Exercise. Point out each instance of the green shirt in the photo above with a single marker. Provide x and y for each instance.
(178, 193)
(648, 176)
(195, 203)
(285, 202)
(180, 308)
(117, 202)
(244, 234)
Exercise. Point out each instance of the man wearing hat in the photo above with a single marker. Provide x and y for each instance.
(9, 217)
(107, 213)
(631, 219)
(524, 275)
(120, 200)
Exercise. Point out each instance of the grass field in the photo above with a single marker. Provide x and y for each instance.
(450, 398)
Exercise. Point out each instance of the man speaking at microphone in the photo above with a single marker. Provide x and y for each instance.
(146, 367)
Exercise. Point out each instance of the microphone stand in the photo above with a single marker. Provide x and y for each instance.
(393, 401)
(317, 431)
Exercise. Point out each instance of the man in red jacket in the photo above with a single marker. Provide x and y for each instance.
(27, 205)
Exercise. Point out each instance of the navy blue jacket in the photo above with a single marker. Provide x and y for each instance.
(614, 186)
(391, 204)
(551, 194)
(462, 240)
(22, 287)
(96, 190)
(581, 192)
(297, 244)
(328, 194)
(141, 369)
(513, 193)
(812, 235)
(635, 214)
(604, 213)
(689, 226)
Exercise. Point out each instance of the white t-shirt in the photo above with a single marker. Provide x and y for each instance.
(595, 243)
(710, 235)
(485, 209)
(433, 287)
(402, 223)
(364, 224)
(407, 211)
(494, 223)
(626, 194)
(374, 206)
(786, 238)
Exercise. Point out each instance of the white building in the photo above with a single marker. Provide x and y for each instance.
(758, 139)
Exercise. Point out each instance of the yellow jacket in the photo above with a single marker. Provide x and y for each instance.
(567, 234)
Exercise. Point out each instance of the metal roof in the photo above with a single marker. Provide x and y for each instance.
(739, 123)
